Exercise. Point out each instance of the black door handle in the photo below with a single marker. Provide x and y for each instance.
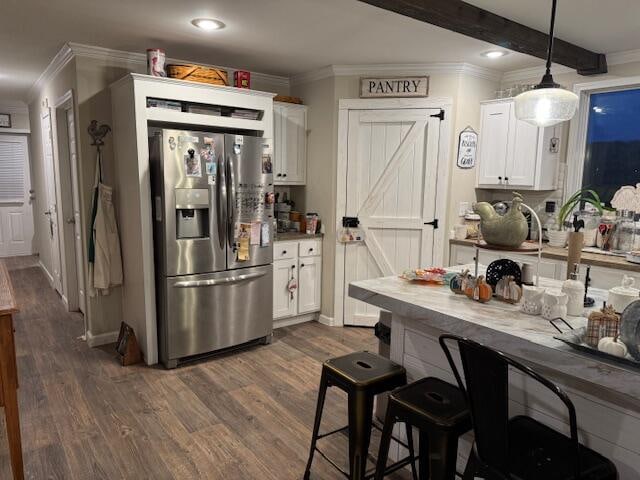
(434, 223)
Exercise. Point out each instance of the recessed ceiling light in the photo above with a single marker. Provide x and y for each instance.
(494, 53)
(208, 24)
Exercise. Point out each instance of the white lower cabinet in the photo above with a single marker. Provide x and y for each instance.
(310, 278)
(302, 262)
(284, 302)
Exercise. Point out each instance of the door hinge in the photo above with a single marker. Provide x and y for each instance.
(434, 223)
(439, 115)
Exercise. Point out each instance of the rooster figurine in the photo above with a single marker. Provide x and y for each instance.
(508, 230)
(98, 132)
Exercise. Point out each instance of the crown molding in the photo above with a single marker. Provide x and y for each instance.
(616, 58)
(72, 50)
(620, 58)
(396, 68)
(59, 61)
(313, 75)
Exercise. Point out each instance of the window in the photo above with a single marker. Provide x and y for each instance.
(612, 150)
(13, 161)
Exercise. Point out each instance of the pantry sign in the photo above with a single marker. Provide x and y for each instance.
(394, 87)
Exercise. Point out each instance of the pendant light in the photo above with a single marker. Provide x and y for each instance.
(547, 104)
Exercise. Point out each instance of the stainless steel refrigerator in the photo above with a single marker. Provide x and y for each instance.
(213, 210)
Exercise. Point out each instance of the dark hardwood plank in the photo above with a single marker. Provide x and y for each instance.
(246, 415)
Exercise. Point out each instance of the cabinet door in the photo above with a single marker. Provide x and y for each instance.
(523, 153)
(295, 159)
(284, 304)
(310, 272)
(494, 138)
(279, 145)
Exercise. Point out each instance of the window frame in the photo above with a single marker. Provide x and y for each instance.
(580, 123)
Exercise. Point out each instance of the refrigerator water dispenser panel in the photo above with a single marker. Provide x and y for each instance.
(192, 213)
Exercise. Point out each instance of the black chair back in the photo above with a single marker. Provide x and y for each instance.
(488, 398)
(486, 389)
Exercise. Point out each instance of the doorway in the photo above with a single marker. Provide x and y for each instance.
(16, 212)
(394, 163)
(70, 219)
(51, 202)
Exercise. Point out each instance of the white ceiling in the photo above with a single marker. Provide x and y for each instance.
(283, 37)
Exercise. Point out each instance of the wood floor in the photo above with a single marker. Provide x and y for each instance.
(241, 416)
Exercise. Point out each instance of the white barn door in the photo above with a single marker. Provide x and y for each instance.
(16, 213)
(392, 163)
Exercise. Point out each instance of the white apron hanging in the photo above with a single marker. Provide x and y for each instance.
(105, 260)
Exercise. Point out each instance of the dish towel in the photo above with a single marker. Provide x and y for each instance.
(105, 259)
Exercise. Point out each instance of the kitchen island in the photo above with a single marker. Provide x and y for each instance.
(606, 395)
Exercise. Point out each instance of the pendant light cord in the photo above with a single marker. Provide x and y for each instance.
(551, 29)
(547, 79)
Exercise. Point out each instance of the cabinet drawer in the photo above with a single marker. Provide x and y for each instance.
(310, 248)
(285, 250)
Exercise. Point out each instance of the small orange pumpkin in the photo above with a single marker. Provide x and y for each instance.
(479, 290)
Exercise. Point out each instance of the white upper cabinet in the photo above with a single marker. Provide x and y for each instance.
(513, 153)
(290, 143)
(493, 147)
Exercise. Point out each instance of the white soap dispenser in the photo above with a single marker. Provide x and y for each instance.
(574, 289)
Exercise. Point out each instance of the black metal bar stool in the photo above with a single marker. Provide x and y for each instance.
(362, 375)
(439, 411)
(517, 447)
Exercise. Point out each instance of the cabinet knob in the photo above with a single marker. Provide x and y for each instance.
(301, 265)
(279, 175)
(506, 179)
(284, 252)
(500, 178)
(284, 174)
(293, 267)
(311, 249)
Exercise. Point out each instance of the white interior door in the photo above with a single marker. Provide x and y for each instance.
(77, 224)
(16, 213)
(51, 206)
(392, 162)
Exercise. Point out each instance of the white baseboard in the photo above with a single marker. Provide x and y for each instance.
(46, 272)
(287, 322)
(329, 321)
(102, 338)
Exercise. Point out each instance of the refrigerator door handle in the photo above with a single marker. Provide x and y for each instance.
(231, 178)
(221, 206)
(221, 281)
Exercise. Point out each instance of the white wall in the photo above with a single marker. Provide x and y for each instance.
(323, 96)
(57, 86)
(19, 112)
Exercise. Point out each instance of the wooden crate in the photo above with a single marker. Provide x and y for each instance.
(287, 99)
(198, 73)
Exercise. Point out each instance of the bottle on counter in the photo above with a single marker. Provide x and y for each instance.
(549, 222)
(574, 289)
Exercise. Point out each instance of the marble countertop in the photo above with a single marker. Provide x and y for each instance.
(504, 327)
(586, 258)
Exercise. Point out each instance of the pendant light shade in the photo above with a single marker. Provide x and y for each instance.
(547, 104)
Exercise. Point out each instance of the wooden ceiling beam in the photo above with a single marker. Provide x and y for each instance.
(475, 22)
